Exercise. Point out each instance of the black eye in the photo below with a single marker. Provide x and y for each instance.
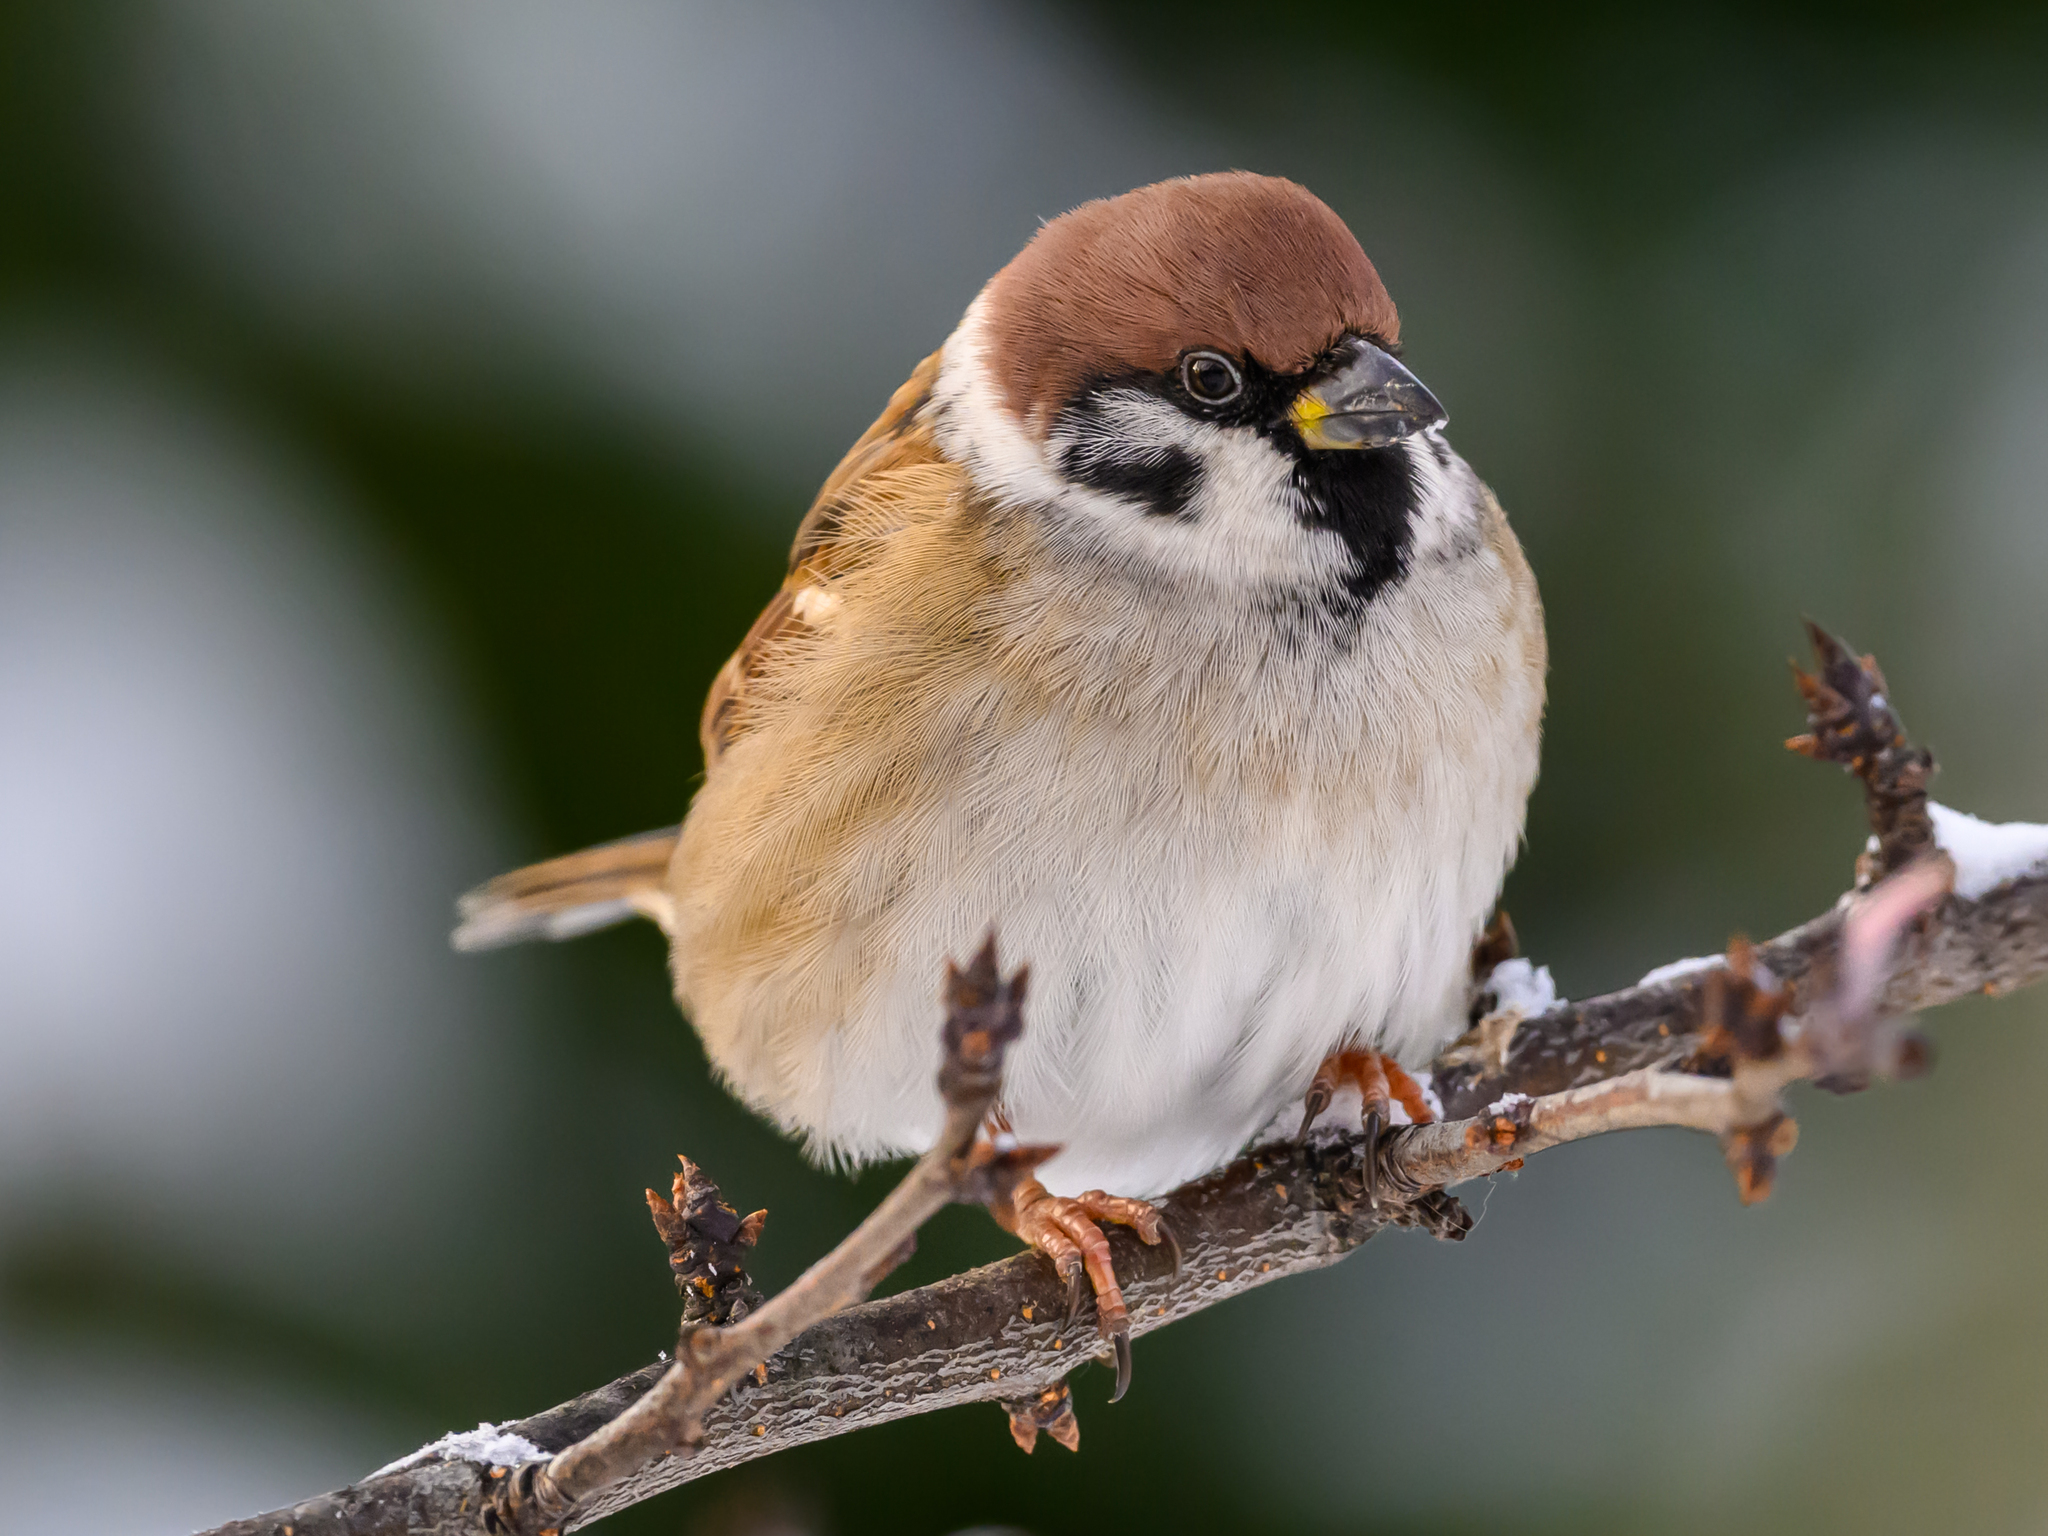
(1210, 377)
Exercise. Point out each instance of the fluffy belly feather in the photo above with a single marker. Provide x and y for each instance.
(1213, 890)
(1178, 1002)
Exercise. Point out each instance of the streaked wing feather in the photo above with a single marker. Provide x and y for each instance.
(830, 541)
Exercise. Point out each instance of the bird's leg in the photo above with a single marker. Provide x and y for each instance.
(1380, 1081)
(1067, 1230)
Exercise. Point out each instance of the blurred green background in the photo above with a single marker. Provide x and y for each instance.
(405, 406)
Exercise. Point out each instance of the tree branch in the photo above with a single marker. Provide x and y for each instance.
(1711, 1049)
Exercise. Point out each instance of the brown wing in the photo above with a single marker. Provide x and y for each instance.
(895, 467)
(899, 441)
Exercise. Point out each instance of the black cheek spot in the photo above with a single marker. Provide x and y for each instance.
(1162, 480)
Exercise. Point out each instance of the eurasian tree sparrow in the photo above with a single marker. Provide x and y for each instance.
(1156, 624)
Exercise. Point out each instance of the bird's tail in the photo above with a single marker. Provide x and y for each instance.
(575, 894)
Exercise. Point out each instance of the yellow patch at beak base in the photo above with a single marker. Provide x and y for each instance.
(1307, 413)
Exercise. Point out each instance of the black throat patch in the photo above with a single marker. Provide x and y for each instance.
(1368, 498)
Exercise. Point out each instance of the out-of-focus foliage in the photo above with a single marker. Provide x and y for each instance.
(403, 409)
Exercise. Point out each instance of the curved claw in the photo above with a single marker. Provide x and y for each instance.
(1120, 1341)
(1374, 1124)
(1172, 1244)
(1318, 1098)
(1077, 1287)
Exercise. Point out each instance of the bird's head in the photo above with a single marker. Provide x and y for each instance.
(1203, 375)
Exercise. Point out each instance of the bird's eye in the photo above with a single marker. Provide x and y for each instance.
(1210, 377)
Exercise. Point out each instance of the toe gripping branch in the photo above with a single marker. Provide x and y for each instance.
(1068, 1230)
(1379, 1081)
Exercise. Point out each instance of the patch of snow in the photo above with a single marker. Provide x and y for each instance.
(486, 1443)
(1987, 854)
(1428, 1087)
(1523, 985)
(1678, 968)
(1507, 1103)
(1282, 1126)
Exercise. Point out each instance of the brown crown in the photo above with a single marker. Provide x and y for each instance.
(1252, 266)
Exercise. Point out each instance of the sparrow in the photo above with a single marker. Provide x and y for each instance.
(1155, 625)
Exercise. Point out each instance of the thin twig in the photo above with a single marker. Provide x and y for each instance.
(1747, 1030)
(983, 1018)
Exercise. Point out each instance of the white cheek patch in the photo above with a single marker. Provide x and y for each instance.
(1251, 529)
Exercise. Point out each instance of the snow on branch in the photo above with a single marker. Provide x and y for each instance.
(1944, 906)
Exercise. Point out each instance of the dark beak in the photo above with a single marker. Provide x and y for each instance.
(1370, 402)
